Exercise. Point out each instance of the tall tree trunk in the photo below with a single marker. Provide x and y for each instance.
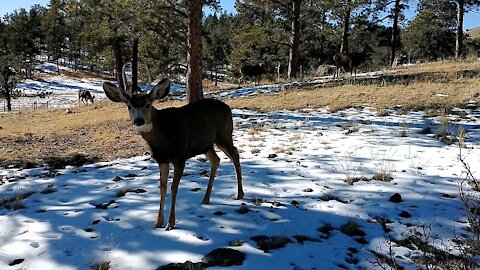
(346, 26)
(394, 40)
(194, 54)
(8, 97)
(5, 76)
(117, 51)
(459, 41)
(294, 40)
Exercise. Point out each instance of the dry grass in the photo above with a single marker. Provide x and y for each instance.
(441, 67)
(474, 32)
(56, 137)
(414, 96)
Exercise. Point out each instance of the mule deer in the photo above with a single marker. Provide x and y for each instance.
(253, 72)
(177, 134)
(85, 96)
(348, 62)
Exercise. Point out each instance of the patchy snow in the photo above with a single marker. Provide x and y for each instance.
(294, 167)
(61, 91)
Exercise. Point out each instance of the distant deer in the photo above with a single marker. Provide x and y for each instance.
(254, 72)
(348, 62)
(177, 134)
(85, 96)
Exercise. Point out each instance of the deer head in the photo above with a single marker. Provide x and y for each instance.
(139, 103)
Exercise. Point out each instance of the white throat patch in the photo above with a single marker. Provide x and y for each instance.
(144, 128)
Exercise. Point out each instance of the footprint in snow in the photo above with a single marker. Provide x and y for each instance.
(68, 229)
(51, 235)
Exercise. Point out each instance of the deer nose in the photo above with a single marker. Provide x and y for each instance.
(138, 121)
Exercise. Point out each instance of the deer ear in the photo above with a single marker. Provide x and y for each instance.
(114, 93)
(161, 90)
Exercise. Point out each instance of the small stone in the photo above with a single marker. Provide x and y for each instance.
(308, 190)
(224, 257)
(396, 198)
(236, 243)
(117, 179)
(272, 155)
(405, 214)
(243, 209)
(219, 213)
(16, 261)
(267, 243)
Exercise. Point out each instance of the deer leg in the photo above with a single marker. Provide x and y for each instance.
(214, 162)
(164, 167)
(232, 153)
(177, 175)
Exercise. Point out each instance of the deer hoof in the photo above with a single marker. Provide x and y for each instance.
(169, 227)
(158, 225)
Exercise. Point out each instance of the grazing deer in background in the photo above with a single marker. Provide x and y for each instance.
(254, 72)
(177, 134)
(348, 62)
(85, 96)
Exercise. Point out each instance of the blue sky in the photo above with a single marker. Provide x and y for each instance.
(471, 19)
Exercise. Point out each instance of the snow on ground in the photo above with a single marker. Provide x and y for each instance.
(61, 91)
(294, 167)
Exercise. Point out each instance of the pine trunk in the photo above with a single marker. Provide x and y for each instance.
(194, 54)
(294, 41)
(394, 40)
(346, 26)
(459, 41)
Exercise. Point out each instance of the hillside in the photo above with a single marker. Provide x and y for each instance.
(474, 32)
(353, 176)
(93, 131)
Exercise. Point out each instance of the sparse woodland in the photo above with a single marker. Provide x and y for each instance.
(296, 36)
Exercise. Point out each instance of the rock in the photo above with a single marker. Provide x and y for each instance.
(308, 190)
(183, 266)
(235, 243)
(117, 179)
(224, 257)
(16, 261)
(396, 198)
(267, 243)
(219, 213)
(272, 155)
(243, 209)
(405, 214)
